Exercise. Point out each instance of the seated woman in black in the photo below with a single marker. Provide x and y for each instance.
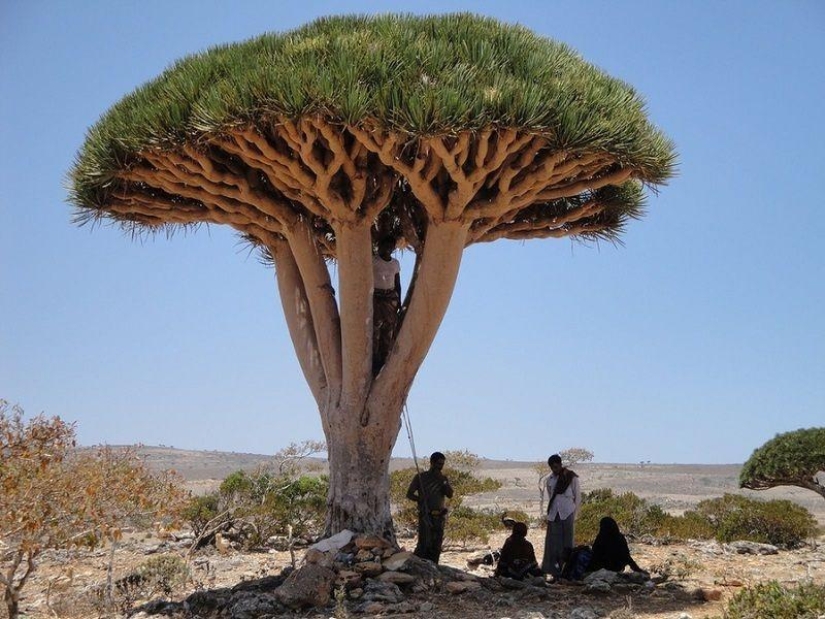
(610, 550)
(518, 559)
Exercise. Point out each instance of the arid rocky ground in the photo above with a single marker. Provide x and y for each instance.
(64, 585)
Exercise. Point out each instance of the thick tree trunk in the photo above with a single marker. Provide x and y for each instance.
(359, 480)
(361, 416)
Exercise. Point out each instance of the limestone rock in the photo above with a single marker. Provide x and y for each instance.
(378, 591)
(512, 583)
(368, 568)
(601, 575)
(369, 542)
(309, 586)
(399, 578)
(397, 560)
(250, 605)
(349, 579)
(752, 548)
(457, 587)
(336, 542)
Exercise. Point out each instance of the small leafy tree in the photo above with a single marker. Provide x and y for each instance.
(274, 498)
(791, 459)
(569, 457)
(575, 455)
(54, 497)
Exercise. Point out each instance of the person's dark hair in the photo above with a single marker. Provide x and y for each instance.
(554, 459)
(385, 246)
(437, 455)
(520, 529)
(608, 526)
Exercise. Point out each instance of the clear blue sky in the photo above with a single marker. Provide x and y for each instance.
(699, 339)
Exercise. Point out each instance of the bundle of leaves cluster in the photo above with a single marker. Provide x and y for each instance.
(263, 504)
(771, 599)
(778, 522)
(726, 519)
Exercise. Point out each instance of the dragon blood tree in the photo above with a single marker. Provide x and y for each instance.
(794, 458)
(438, 131)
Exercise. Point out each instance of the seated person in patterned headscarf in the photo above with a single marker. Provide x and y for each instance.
(518, 559)
(610, 549)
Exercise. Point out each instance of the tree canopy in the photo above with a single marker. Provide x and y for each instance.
(334, 113)
(790, 459)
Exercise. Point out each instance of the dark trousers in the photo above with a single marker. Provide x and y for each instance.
(430, 536)
(384, 320)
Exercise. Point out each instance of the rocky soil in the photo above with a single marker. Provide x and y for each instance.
(689, 580)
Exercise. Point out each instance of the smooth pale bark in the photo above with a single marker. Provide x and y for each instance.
(355, 287)
(361, 424)
(359, 458)
(321, 297)
(299, 318)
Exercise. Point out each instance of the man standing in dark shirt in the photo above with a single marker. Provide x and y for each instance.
(430, 490)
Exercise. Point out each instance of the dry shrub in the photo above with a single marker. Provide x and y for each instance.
(771, 599)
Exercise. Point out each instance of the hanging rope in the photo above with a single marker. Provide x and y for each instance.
(405, 415)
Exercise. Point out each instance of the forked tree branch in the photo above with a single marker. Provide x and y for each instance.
(299, 318)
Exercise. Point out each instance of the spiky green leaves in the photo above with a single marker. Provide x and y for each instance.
(408, 74)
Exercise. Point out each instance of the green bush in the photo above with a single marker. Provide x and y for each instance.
(771, 599)
(464, 483)
(466, 524)
(200, 510)
(777, 522)
(690, 525)
(161, 575)
(634, 515)
(262, 504)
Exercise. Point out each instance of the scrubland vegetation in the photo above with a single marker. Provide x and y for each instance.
(56, 497)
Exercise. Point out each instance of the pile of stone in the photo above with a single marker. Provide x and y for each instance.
(369, 572)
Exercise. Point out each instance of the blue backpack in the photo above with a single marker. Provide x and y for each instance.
(576, 565)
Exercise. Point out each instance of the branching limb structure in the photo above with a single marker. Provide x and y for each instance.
(316, 144)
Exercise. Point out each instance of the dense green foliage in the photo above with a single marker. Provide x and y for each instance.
(778, 522)
(726, 519)
(771, 599)
(465, 523)
(412, 74)
(262, 504)
(634, 515)
(464, 483)
(792, 458)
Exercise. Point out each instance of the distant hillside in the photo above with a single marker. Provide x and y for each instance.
(675, 487)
